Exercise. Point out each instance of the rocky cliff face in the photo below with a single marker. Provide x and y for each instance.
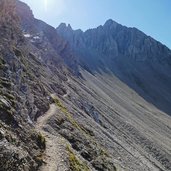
(72, 100)
(45, 37)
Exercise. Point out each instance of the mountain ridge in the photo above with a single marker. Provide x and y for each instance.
(108, 21)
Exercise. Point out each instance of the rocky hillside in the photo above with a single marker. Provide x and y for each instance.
(81, 101)
(25, 85)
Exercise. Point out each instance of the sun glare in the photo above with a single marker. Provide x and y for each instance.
(50, 5)
(45, 5)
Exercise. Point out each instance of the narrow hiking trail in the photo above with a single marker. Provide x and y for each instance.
(42, 120)
(55, 144)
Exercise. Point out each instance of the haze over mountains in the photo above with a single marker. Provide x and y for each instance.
(70, 100)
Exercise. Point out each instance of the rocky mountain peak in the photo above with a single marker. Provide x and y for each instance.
(122, 51)
(62, 26)
(113, 39)
(65, 28)
(110, 23)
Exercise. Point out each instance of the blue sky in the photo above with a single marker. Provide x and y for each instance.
(150, 16)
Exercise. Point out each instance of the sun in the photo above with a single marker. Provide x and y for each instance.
(45, 5)
(51, 5)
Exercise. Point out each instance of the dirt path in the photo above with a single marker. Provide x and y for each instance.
(55, 144)
(41, 121)
(68, 92)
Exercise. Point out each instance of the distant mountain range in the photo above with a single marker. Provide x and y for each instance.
(70, 100)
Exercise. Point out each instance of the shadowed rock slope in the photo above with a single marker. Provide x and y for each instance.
(79, 101)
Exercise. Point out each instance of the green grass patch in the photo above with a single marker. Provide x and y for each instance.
(75, 163)
(2, 63)
(41, 141)
(68, 115)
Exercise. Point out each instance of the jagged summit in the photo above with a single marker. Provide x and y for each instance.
(124, 41)
(68, 27)
(110, 22)
(65, 26)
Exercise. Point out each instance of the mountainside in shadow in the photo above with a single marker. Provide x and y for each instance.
(81, 101)
(135, 58)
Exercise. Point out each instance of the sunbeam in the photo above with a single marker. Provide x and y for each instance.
(45, 5)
